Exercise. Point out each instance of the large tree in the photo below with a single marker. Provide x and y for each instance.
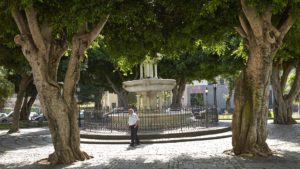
(263, 28)
(287, 60)
(44, 38)
(12, 59)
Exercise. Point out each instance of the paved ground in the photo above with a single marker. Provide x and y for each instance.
(24, 149)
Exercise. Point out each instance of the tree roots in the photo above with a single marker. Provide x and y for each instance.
(67, 157)
(250, 153)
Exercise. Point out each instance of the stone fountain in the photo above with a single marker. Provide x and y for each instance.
(148, 91)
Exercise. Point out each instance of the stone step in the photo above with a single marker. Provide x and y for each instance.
(208, 131)
(162, 140)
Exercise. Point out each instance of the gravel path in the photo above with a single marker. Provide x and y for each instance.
(22, 150)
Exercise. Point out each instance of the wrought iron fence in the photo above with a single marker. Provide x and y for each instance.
(161, 120)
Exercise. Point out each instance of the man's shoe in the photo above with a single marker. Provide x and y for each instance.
(138, 143)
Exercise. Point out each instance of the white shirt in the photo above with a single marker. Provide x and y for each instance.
(132, 119)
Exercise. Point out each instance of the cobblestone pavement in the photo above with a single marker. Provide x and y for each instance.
(22, 150)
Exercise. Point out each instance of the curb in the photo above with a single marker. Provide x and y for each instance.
(156, 141)
(158, 138)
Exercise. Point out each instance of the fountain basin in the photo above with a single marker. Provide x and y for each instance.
(146, 85)
(153, 120)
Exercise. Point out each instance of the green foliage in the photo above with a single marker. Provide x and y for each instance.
(88, 93)
(100, 64)
(270, 115)
(6, 88)
(205, 63)
(290, 84)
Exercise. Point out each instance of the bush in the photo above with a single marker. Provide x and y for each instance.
(270, 115)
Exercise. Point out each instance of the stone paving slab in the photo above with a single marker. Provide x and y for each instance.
(194, 155)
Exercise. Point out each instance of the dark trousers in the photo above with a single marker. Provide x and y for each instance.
(134, 135)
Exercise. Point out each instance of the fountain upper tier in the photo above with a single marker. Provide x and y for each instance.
(146, 85)
(148, 80)
(149, 87)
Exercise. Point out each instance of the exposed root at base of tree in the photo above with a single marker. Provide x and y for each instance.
(13, 131)
(44, 161)
(67, 158)
(251, 154)
(289, 122)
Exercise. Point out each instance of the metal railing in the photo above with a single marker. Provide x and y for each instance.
(159, 120)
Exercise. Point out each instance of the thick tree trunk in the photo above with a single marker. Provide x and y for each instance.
(16, 117)
(177, 92)
(283, 103)
(227, 108)
(283, 111)
(25, 111)
(43, 53)
(249, 132)
(249, 124)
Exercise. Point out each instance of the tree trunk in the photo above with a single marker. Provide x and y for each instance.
(122, 94)
(43, 53)
(177, 92)
(98, 104)
(227, 108)
(249, 124)
(16, 116)
(299, 107)
(25, 111)
(283, 103)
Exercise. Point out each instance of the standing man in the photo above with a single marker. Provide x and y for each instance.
(133, 125)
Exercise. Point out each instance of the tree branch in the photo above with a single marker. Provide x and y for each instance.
(285, 26)
(90, 36)
(113, 86)
(18, 17)
(73, 73)
(245, 25)
(46, 31)
(287, 68)
(241, 32)
(119, 73)
(80, 43)
(96, 31)
(254, 21)
(35, 30)
(267, 14)
(296, 85)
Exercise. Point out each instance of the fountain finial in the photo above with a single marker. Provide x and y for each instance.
(147, 70)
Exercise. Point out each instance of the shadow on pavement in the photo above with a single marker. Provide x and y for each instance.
(287, 133)
(286, 159)
(26, 139)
